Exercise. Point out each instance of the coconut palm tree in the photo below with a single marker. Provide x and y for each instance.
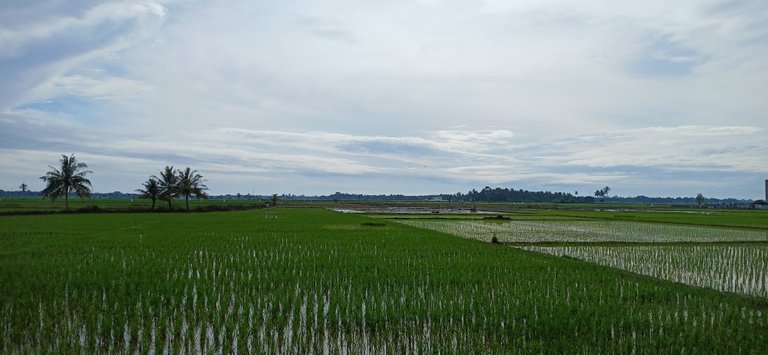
(23, 187)
(191, 183)
(151, 191)
(70, 177)
(168, 183)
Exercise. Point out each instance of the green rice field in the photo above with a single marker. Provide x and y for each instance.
(739, 268)
(581, 231)
(314, 281)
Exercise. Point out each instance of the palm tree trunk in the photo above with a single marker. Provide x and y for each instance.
(66, 199)
(153, 204)
(187, 198)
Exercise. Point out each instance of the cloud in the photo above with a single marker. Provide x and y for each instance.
(393, 96)
(684, 148)
(664, 57)
(449, 159)
(39, 51)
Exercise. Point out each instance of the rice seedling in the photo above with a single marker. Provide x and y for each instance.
(241, 283)
(731, 268)
(586, 231)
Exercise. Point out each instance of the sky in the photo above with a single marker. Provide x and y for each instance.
(652, 98)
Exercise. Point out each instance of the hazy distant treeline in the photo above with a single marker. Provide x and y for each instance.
(487, 194)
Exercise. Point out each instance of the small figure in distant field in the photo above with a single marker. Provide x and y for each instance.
(495, 240)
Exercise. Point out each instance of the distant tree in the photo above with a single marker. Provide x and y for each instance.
(602, 192)
(151, 191)
(274, 200)
(23, 187)
(191, 183)
(70, 177)
(700, 199)
(169, 184)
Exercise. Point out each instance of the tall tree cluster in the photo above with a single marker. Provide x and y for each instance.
(511, 195)
(173, 183)
(70, 178)
(602, 192)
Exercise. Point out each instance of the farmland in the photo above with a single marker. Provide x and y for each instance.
(32, 205)
(731, 268)
(733, 258)
(586, 231)
(315, 281)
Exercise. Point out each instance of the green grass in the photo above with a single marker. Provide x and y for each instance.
(310, 280)
(31, 204)
(757, 219)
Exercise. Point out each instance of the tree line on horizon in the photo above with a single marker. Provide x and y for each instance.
(499, 194)
(70, 178)
(487, 194)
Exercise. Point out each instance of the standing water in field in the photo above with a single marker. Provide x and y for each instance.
(739, 268)
(315, 281)
(586, 231)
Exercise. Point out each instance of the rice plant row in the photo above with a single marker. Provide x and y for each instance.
(586, 231)
(296, 283)
(740, 268)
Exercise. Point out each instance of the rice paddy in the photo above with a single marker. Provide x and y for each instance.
(730, 268)
(318, 282)
(725, 259)
(586, 231)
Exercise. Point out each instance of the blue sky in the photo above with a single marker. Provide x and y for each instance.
(656, 98)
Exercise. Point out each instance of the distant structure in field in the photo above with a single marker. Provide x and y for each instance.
(766, 190)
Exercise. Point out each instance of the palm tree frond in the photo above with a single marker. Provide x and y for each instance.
(68, 179)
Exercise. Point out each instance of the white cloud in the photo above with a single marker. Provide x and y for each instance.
(432, 93)
(611, 157)
(96, 86)
(38, 53)
(691, 148)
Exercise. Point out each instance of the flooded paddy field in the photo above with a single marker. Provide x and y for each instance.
(316, 281)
